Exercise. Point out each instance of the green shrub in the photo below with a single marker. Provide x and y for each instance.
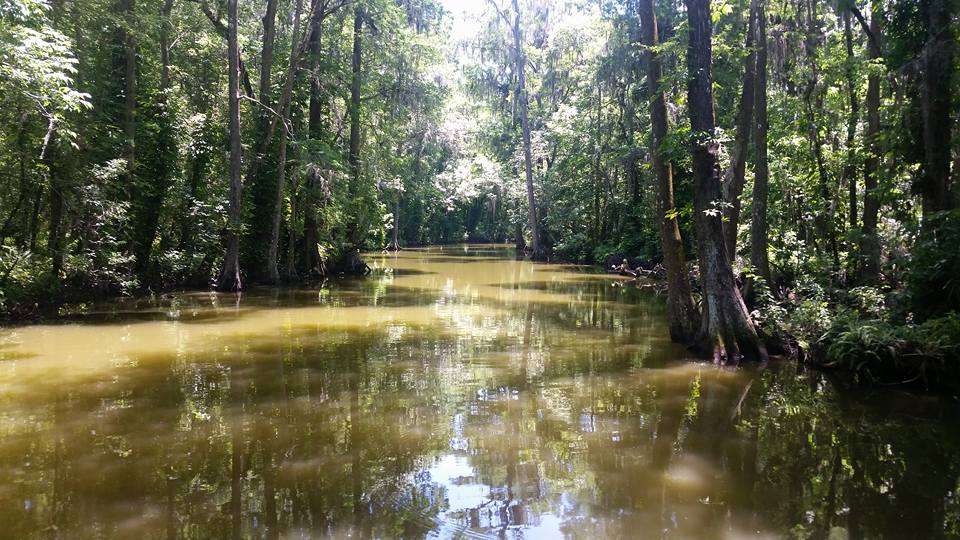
(878, 351)
(934, 276)
(575, 247)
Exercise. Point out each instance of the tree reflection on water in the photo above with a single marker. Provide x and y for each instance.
(467, 397)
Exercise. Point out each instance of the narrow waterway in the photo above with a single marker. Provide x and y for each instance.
(456, 392)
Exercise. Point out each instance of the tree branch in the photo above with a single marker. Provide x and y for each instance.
(874, 41)
(277, 116)
(222, 30)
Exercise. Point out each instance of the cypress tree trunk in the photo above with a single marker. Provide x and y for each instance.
(261, 196)
(23, 186)
(155, 179)
(354, 230)
(681, 311)
(130, 89)
(230, 274)
(870, 243)
(266, 55)
(632, 93)
(395, 234)
(727, 331)
(315, 131)
(849, 168)
(49, 155)
(735, 176)
(520, 60)
(273, 251)
(758, 225)
(813, 98)
(936, 103)
(165, 24)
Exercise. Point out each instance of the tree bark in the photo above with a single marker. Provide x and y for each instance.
(354, 150)
(151, 187)
(682, 313)
(165, 24)
(597, 171)
(315, 132)
(266, 122)
(23, 186)
(727, 331)
(55, 234)
(130, 89)
(850, 167)
(354, 228)
(230, 274)
(520, 61)
(266, 55)
(736, 175)
(936, 104)
(395, 233)
(813, 101)
(273, 252)
(759, 259)
(630, 124)
(869, 242)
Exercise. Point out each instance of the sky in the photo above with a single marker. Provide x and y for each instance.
(465, 15)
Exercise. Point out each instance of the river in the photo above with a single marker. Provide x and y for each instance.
(455, 392)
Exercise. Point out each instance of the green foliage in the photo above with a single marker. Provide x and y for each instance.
(882, 352)
(934, 277)
(107, 192)
(24, 282)
(37, 61)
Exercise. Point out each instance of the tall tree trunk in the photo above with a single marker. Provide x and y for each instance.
(34, 225)
(395, 233)
(130, 88)
(354, 226)
(230, 274)
(736, 175)
(23, 186)
(291, 271)
(273, 252)
(955, 172)
(266, 56)
(813, 102)
(152, 184)
(197, 169)
(55, 235)
(850, 167)
(630, 122)
(870, 243)
(165, 24)
(682, 313)
(520, 60)
(727, 331)
(315, 132)
(597, 171)
(261, 196)
(758, 225)
(936, 104)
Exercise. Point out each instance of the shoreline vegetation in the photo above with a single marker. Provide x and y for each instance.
(857, 348)
(794, 167)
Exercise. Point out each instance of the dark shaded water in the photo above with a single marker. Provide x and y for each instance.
(459, 393)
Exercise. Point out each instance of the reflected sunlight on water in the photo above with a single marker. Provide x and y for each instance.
(456, 392)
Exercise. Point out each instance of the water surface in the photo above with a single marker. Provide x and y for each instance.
(456, 392)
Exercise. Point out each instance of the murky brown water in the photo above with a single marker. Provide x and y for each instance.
(459, 393)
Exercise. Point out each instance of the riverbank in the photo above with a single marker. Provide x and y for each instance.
(862, 350)
(849, 332)
(454, 392)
